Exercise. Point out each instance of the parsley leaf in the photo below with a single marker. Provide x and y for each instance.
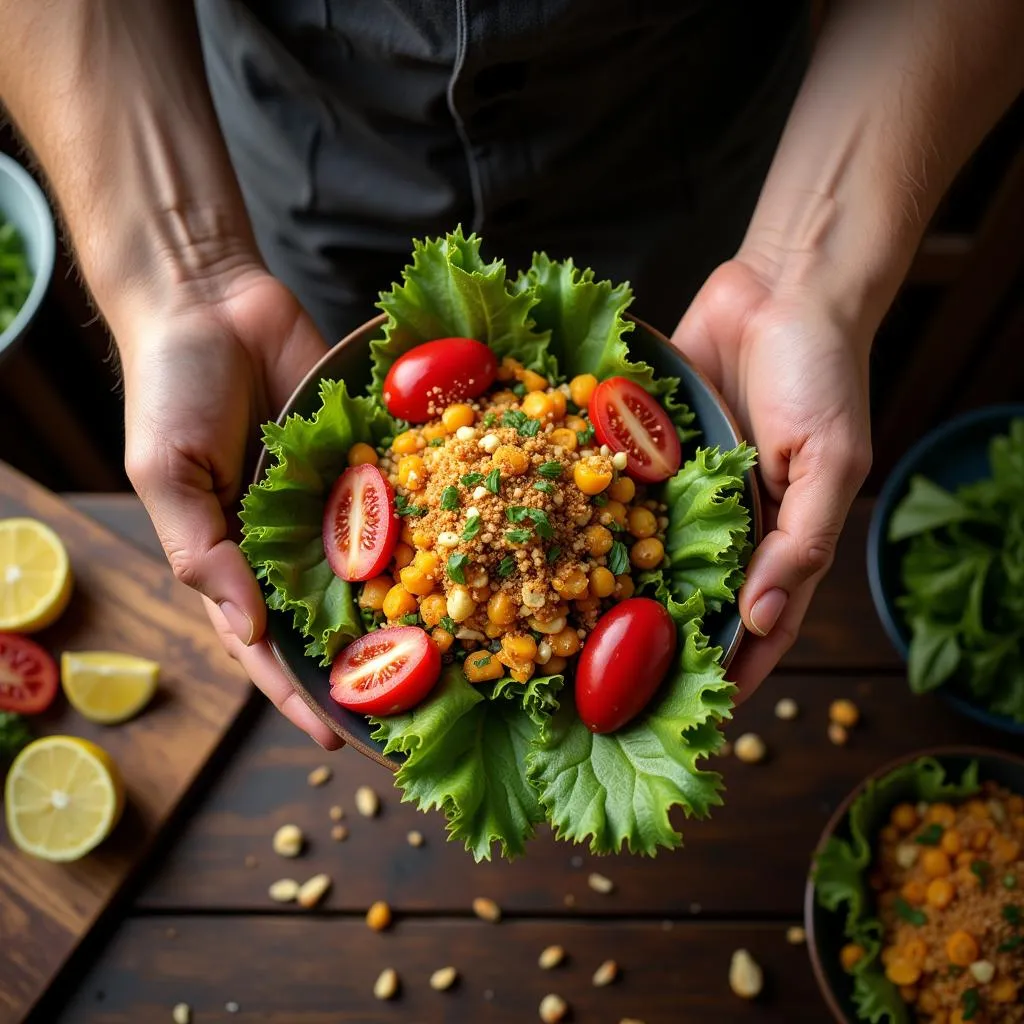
(412, 619)
(541, 523)
(506, 566)
(518, 389)
(543, 485)
(982, 869)
(489, 419)
(530, 428)
(553, 554)
(931, 835)
(618, 558)
(403, 508)
(971, 1001)
(1012, 943)
(552, 470)
(472, 528)
(472, 479)
(584, 437)
(1012, 914)
(513, 418)
(909, 913)
(518, 536)
(447, 623)
(516, 513)
(599, 500)
(493, 481)
(457, 567)
(437, 442)
(450, 499)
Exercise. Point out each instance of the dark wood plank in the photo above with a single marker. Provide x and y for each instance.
(311, 970)
(122, 514)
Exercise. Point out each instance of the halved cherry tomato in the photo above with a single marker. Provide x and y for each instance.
(387, 671)
(623, 663)
(28, 675)
(360, 526)
(428, 378)
(628, 420)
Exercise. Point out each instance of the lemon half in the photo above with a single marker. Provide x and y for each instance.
(35, 575)
(106, 686)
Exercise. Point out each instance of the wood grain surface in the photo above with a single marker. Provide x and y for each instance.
(128, 601)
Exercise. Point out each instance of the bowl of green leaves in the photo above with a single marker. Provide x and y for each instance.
(27, 250)
(946, 564)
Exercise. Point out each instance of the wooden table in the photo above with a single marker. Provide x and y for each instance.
(199, 927)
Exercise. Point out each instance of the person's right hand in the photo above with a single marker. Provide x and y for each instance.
(201, 373)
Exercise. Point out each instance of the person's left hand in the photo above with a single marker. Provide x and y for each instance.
(796, 377)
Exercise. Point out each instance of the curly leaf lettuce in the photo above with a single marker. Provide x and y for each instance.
(282, 516)
(840, 872)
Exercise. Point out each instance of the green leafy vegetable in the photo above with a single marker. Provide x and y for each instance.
(518, 536)
(931, 835)
(506, 566)
(14, 734)
(448, 625)
(472, 527)
(493, 481)
(553, 554)
(971, 1003)
(1012, 943)
(404, 508)
(584, 437)
(457, 567)
(910, 914)
(982, 871)
(450, 499)
(412, 619)
(472, 479)
(544, 486)
(552, 470)
(618, 558)
(15, 274)
(1012, 914)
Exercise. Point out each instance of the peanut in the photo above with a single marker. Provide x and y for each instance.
(288, 841)
(367, 802)
(486, 909)
(746, 978)
(319, 776)
(553, 1009)
(443, 979)
(386, 985)
(313, 891)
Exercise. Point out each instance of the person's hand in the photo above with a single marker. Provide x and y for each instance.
(796, 377)
(199, 378)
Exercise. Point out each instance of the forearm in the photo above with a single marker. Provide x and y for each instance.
(112, 99)
(899, 93)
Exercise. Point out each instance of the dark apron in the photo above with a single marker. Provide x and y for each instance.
(632, 135)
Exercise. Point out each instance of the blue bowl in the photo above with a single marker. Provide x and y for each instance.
(953, 454)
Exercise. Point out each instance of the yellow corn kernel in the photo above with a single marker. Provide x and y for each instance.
(576, 423)
(406, 443)
(433, 609)
(592, 474)
(940, 893)
(510, 460)
(566, 438)
(406, 536)
(642, 522)
(398, 602)
(622, 489)
(904, 816)
(501, 609)
(519, 646)
(522, 671)
(899, 972)
(951, 842)
(571, 584)
(460, 605)
(565, 643)
(616, 511)
(850, 955)
(412, 473)
(624, 587)
(962, 949)
(458, 415)
(532, 381)
(602, 582)
(403, 555)
(555, 666)
(504, 398)
(557, 403)
(599, 540)
(1003, 991)
(373, 593)
(442, 638)
(942, 814)
(647, 553)
(361, 454)
(581, 388)
(415, 581)
(537, 405)
(481, 666)
(509, 369)
(434, 431)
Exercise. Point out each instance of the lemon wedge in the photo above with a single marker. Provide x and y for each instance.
(106, 686)
(35, 575)
(63, 797)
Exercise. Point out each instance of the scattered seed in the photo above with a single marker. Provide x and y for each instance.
(746, 978)
(844, 712)
(599, 883)
(605, 974)
(443, 979)
(339, 833)
(795, 935)
(386, 985)
(786, 709)
(550, 957)
(487, 909)
(837, 734)
(553, 1009)
(336, 813)
(288, 841)
(619, 460)
(232, 1007)
(378, 917)
(414, 838)
(251, 861)
(181, 1014)
(367, 802)
(284, 890)
(750, 748)
(318, 776)
(313, 891)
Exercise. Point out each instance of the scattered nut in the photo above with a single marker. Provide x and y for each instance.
(786, 709)
(443, 979)
(339, 833)
(795, 935)
(318, 776)
(983, 971)
(487, 909)
(550, 957)
(907, 854)
(837, 734)
(414, 838)
(746, 978)
(553, 1009)
(336, 813)
(288, 841)
(181, 1014)
(251, 861)
(386, 985)
(367, 802)
(605, 974)
(599, 883)
(313, 891)
(284, 890)
(378, 917)
(750, 748)
(844, 712)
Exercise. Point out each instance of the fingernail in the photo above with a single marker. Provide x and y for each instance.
(766, 611)
(240, 623)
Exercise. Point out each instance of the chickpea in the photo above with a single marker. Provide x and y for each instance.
(406, 443)
(555, 666)
(899, 972)
(433, 609)
(412, 472)
(622, 489)
(624, 587)
(572, 584)
(458, 415)
(537, 405)
(940, 893)
(482, 666)
(510, 460)
(398, 602)
(460, 605)
(501, 609)
(944, 814)
(581, 388)
(962, 949)
(566, 438)
(616, 511)
(519, 647)
(599, 539)
(565, 643)
(647, 553)
(904, 817)
(576, 423)
(642, 522)
(592, 474)
(361, 454)
(509, 369)
(373, 593)
(403, 555)
(522, 671)
(434, 431)
(602, 582)
(416, 581)
(442, 638)
(557, 403)
(590, 603)
(406, 536)
(532, 381)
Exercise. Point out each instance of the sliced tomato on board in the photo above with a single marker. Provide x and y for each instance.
(360, 527)
(425, 380)
(623, 663)
(387, 671)
(629, 420)
(28, 675)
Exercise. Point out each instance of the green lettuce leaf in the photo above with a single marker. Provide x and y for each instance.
(616, 790)
(465, 747)
(840, 872)
(282, 516)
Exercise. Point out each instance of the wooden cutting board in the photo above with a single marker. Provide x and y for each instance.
(124, 600)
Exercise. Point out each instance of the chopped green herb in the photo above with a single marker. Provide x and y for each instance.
(618, 558)
(472, 528)
(516, 513)
(584, 437)
(450, 499)
(472, 479)
(553, 554)
(909, 913)
(530, 428)
(506, 566)
(614, 526)
(600, 500)
(543, 485)
(982, 869)
(518, 389)
(493, 481)
(971, 1001)
(490, 419)
(552, 470)
(482, 660)
(1012, 914)
(513, 418)
(457, 567)
(517, 536)
(1009, 881)
(931, 835)
(371, 620)
(447, 623)
(437, 442)
(541, 523)
(403, 508)
(1012, 943)
(412, 619)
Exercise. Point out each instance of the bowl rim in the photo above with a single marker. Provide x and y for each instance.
(43, 273)
(315, 373)
(836, 819)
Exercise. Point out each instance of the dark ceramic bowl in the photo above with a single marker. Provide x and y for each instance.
(350, 360)
(953, 454)
(824, 928)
